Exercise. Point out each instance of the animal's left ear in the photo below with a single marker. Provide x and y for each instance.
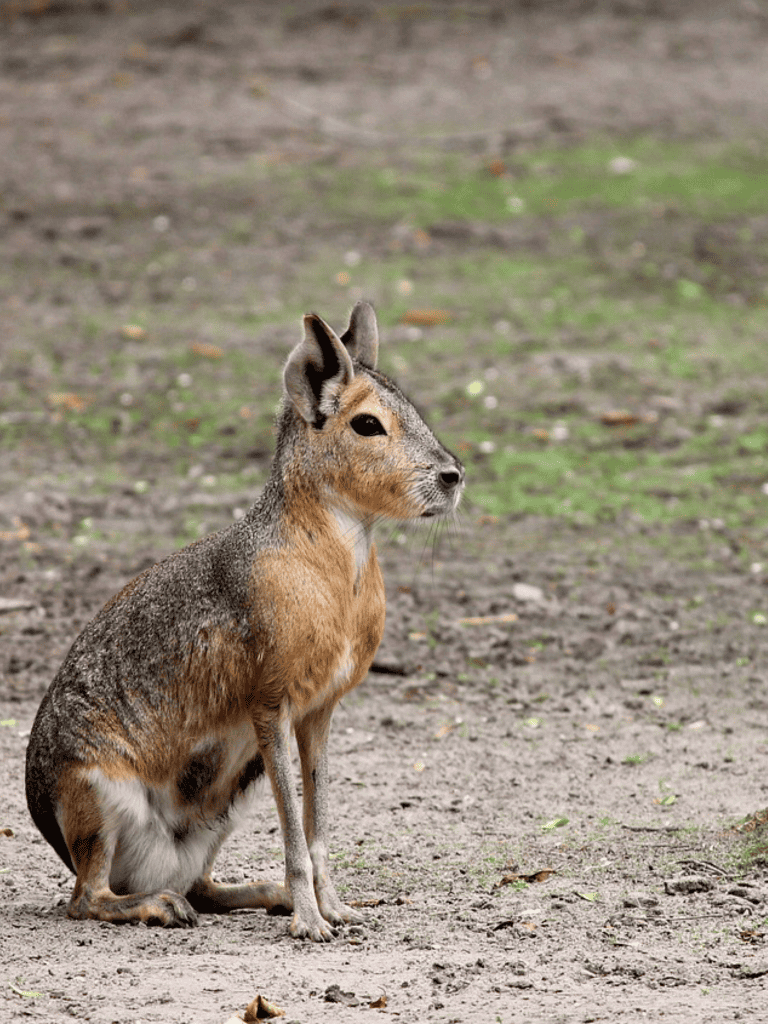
(361, 338)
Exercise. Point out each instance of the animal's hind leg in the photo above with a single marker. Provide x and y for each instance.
(91, 841)
(209, 897)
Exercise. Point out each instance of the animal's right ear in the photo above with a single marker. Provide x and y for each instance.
(317, 371)
(361, 338)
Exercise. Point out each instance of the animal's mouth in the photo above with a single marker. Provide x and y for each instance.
(442, 510)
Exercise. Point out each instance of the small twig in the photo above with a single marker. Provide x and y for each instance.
(631, 945)
(679, 919)
(652, 828)
(706, 864)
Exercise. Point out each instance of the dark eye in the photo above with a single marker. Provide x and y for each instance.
(366, 425)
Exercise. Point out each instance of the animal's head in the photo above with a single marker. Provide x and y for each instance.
(359, 435)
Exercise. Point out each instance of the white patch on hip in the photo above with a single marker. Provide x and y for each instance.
(163, 842)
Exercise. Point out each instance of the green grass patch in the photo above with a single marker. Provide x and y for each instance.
(634, 175)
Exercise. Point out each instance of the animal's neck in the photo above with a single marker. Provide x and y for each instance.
(327, 530)
(355, 533)
(297, 498)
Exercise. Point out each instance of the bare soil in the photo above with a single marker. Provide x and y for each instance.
(535, 793)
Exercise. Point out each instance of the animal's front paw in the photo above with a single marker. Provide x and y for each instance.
(311, 926)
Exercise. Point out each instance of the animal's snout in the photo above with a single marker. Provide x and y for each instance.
(451, 478)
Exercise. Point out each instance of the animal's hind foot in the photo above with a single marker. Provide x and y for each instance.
(167, 908)
(211, 897)
(333, 910)
(341, 914)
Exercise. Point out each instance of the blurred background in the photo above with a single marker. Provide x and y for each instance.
(558, 209)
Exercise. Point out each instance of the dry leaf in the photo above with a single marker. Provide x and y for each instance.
(536, 876)
(133, 331)
(378, 1004)
(202, 348)
(20, 531)
(507, 880)
(427, 317)
(619, 418)
(539, 876)
(67, 400)
(260, 1009)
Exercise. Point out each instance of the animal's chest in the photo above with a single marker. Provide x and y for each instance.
(321, 632)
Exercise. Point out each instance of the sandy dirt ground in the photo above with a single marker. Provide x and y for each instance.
(553, 844)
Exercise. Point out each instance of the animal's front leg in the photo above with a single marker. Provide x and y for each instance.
(274, 744)
(312, 738)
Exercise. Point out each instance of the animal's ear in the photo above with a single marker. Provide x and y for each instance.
(362, 335)
(317, 371)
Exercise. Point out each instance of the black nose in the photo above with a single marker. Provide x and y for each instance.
(449, 479)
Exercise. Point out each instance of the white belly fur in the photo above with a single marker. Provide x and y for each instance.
(163, 842)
